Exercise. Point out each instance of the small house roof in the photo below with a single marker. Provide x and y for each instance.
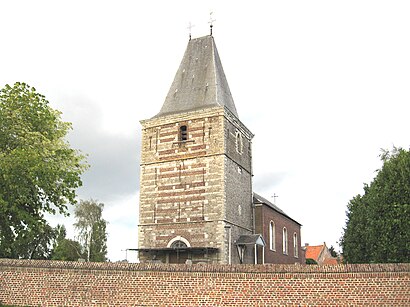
(250, 240)
(330, 261)
(313, 252)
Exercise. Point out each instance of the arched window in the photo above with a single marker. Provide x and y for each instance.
(183, 133)
(178, 239)
(178, 245)
(295, 245)
(285, 241)
(272, 235)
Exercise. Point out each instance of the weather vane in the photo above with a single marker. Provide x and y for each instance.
(211, 21)
(190, 26)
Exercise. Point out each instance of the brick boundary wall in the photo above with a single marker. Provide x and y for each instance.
(58, 283)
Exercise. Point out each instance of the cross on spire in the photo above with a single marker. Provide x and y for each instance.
(211, 21)
(190, 26)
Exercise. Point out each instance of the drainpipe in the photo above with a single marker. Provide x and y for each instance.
(229, 243)
(251, 188)
(256, 254)
(263, 254)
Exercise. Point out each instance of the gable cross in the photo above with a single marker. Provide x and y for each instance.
(274, 198)
(211, 21)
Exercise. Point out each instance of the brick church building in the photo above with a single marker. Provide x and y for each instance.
(196, 199)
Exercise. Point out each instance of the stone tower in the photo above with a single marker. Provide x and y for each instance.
(196, 170)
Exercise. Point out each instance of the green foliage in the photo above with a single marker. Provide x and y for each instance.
(65, 249)
(378, 222)
(60, 233)
(34, 242)
(39, 172)
(310, 261)
(92, 229)
(333, 252)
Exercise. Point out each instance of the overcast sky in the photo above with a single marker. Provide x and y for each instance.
(323, 85)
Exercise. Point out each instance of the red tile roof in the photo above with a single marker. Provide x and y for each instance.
(313, 252)
(330, 261)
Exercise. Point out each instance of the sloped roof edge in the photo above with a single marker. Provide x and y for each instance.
(199, 82)
(250, 240)
(257, 199)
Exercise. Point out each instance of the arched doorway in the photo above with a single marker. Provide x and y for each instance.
(179, 252)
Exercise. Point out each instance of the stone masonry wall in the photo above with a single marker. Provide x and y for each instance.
(182, 182)
(238, 183)
(55, 283)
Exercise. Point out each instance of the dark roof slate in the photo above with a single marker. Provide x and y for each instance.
(200, 81)
(257, 199)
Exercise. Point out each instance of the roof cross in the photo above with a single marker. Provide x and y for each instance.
(211, 21)
(190, 26)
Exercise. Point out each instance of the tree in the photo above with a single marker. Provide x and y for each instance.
(34, 242)
(333, 252)
(39, 172)
(65, 249)
(378, 223)
(92, 229)
(68, 250)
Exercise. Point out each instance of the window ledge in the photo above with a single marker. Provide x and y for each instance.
(182, 143)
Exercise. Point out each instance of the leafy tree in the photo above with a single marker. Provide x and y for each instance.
(333, 252)
(98, 248)
(60, 234)
(39, 172)
(92, 229)
(65, 249)
(34, 242)
(378, 223)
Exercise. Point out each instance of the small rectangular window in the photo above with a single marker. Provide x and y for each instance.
(183, 133)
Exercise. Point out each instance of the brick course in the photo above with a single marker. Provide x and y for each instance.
(57, 283)
(266, 215)
(204, 178)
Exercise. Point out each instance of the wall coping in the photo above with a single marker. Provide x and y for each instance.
(210, 268)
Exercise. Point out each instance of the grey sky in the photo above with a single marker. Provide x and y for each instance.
(323, 85)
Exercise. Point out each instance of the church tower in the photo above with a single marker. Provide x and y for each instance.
(196, 170)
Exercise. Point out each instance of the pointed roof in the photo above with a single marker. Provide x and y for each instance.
(257, 199)
(313, 252)
(250, 240)
(200, 81)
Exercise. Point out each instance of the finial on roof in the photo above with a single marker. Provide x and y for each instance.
(211, 20)
(274, 198)
(190, 26)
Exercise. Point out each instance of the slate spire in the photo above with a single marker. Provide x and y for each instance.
(200, 81)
